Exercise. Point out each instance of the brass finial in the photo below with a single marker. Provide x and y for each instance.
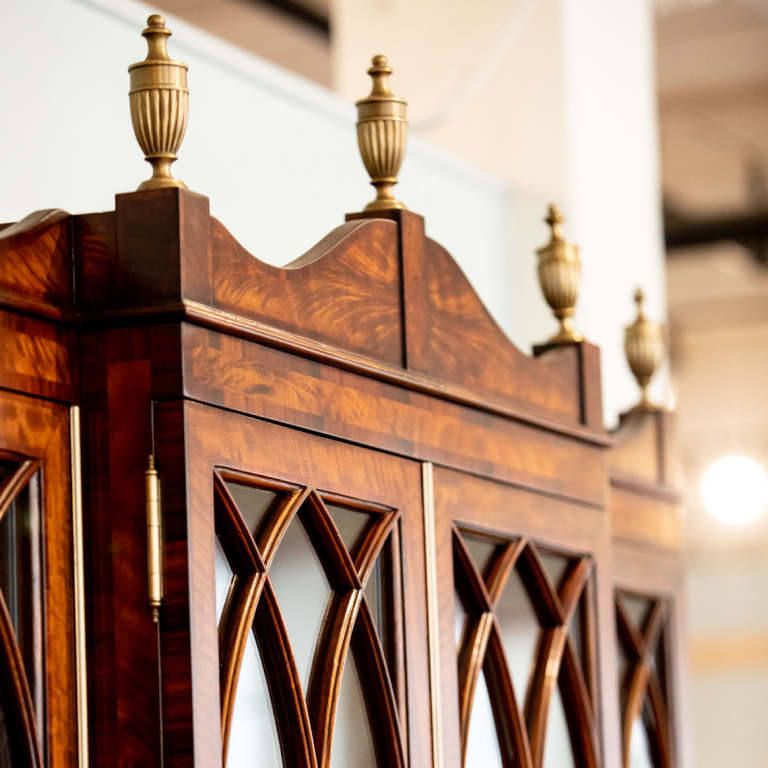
(559, 277)
(382, 130)
(159, 105)
(644, 345)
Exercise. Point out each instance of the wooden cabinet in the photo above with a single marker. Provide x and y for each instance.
(388, 536)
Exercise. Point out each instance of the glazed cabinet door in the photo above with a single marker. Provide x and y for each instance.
(306, 592)
(523, 588)
(38, 700)
(650, 654)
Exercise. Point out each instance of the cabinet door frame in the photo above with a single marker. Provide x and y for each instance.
(194, 443)
(488, 506)
(658, 575)
(39, 436)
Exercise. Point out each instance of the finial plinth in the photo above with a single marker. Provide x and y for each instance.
(559, 277)
(644, 347)
(382, 131)
(159, 105)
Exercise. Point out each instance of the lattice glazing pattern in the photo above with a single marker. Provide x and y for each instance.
(309, 626)
(526, 654)
(642, 628)
(22, 667)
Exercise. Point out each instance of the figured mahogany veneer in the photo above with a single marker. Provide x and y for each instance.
(345, 292)
(36, 265)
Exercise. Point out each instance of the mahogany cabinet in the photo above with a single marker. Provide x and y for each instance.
(388, 537)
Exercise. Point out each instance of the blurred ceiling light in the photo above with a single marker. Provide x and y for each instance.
(735, 490)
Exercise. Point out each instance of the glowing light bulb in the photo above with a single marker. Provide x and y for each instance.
(735, 490)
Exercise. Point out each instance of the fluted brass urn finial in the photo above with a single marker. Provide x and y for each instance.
(382, 130)
(159, 105)
(559, 277)
(644, 346)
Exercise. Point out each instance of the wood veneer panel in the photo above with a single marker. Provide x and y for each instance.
(465, 346)
(645, 520)
(163, 248)
(36, 263)
(637, 447)
(38, 357)
(246, 377)
(122, 370)
(345, 291)
(93, 237)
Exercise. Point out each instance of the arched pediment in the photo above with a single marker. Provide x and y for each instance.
(378, 287)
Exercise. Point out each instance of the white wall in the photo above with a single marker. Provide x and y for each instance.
(728, 616)
(268, 148)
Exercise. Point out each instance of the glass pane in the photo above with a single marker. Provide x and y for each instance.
(638, 609)
(659, 660)
(378, 595)
(253, 504)
(353, 526)
(303, 593)
(482, 741)
(375, 597)
(556, 566)
(520, 633)
(639, 748)
(482, 551)
(6, 755)
(625, 669)
(7, 468)
(460, 619)
(224, 576)
(352, 745)
(253, 738)
(557, 747)
(577, 632)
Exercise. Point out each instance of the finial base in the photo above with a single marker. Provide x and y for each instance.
(646, 404)
(161, 174)
(154, 183)
(385, 205)
(566, 337)
(385, 198)
(567, 334)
